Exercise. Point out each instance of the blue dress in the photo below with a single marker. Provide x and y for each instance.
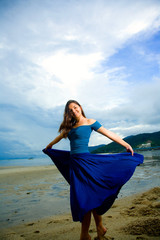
(95, 180)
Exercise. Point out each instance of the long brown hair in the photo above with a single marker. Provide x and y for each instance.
(68, 120)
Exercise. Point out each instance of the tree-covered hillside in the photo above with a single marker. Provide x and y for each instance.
(137, 141)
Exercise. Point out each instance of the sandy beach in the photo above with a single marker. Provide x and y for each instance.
(133, 217)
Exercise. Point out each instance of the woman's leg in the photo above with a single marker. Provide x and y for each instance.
(85, 227)
(101, 230)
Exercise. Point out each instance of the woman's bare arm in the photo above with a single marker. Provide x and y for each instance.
(56, 140)
(114, 137)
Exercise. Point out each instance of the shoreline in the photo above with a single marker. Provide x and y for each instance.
(21, 169)
(130, 218)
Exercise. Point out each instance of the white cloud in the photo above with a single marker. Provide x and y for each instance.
(71, 69)
(147, 19)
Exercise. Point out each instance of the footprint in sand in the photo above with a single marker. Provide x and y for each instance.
(30, 224)
(50, 222)
(140, 238)
(109, 216)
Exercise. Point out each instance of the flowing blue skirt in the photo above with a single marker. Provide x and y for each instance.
(95, 180)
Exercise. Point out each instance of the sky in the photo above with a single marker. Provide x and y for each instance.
(104, 54)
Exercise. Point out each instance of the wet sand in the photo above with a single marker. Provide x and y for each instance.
(133, 217)
(30, 193)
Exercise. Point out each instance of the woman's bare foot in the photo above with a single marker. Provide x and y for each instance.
(101, 231)
(88, 237)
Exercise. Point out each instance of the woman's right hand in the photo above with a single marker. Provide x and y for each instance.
(49, 146)
(56, 140)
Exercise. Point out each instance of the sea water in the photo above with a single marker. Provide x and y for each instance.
(146, 176)
(26, 162)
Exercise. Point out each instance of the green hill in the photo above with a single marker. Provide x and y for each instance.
(140, 141)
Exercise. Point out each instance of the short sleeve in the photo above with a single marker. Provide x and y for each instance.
(96, 125)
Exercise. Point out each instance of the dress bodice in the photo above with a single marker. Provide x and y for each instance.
(79, 137)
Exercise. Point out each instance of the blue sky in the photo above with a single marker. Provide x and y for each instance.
(104, 54)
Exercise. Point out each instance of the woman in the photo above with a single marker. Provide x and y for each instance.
(95, 180)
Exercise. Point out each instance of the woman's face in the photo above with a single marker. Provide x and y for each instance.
(75, 110)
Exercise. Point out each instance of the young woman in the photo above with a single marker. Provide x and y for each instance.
(95, 180)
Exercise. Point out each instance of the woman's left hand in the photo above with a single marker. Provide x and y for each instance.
(129, 149)
(115, 138)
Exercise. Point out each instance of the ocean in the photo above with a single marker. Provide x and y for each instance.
(26, 162)
(146, 176)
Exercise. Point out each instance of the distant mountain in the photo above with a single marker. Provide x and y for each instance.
(140, 141)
